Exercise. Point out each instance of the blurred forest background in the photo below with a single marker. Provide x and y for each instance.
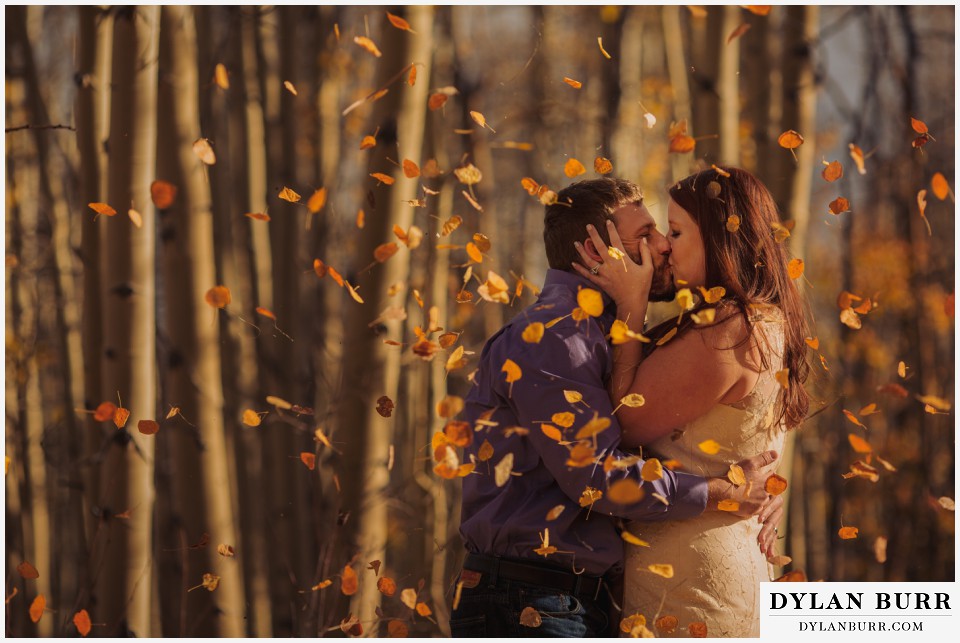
(223, 375)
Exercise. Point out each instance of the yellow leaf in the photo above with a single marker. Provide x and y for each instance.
(386, 179)
(204, 151)
(565, 419)
(633, 400)
(512, 370)
(289, 195)
(551, 432)
(728, 505)
(664, 570)
(685, 299)
(485, 452)
(454, 361)
(423, 609)
(469, 174)
(290, 87)
(938, 403)
(736, 475)
(481, 120)
(947, 503)
(409, 597)
(251, 418)
(633, 540)
(850, 318)
(554, 513)
(590, 496)
(590, 301)
(222, 80)
(367, 44)
(572, 397)
(625, 492)
(573, 168)
(602, 50)
(576, 84)
(593, 427)
(783, 378)
(652, 470)
(503, 469)
(710, 447)
(581, 455)
(853, 418)
(667, 336)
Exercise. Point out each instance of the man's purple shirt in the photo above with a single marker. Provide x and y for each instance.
(509, 520)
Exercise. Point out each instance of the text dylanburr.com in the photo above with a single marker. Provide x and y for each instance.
(902, 610)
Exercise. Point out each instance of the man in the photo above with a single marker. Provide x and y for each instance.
(541, 515)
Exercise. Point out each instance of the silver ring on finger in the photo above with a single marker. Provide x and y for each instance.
(596, 268)
(776, 530)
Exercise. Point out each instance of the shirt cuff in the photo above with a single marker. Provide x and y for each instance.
(691, 495)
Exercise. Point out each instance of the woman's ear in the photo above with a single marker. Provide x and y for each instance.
(591, 249)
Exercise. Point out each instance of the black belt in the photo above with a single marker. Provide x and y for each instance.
(580, 585)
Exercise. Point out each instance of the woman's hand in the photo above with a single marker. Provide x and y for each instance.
(770, 518)
(626, 282)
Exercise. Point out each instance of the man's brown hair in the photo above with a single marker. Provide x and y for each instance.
(577, 205)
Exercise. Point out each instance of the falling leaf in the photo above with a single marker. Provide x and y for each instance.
(590, 301)
(850, 318)
(848, 533)
(397, 629)
(650, 120)
(162, 193)
(602, 165)
(384, 251)
(349, 583)
(81, 620)
(225, 550)
(289, 195)
(533, 333)
(120, 417)
(385, 406)
(102, 208)
(251, 418)
(218, 296)
(135, 217)
(880, 549)
(436, 101)
(733, 223)
(941, 189)
(204, 151)
(682, 144)
(795, 268)
(503, 469)
(220, 76)
(922, 205)
(449, 406)
(633, 540)
(581, 455)
(399, 23)
(710, 447)
(625, 492)
(554, 513)
(861, 469)
(783, 378)
(633, 400)
(812, 342)
(386, 179)
(565, 419)
(459, 434)
(667, 624)
(869, 409)
(456, 360)
(590, 496)
(351, 626)
(530, 617)
(593, 427)
(853, 418)
(839, 206)
(28, 571)
(573, 168)
(386, 586)
(652, 470)
(367, 44)
(780, 232)
(147, 427)
(697, 630)
(576, 84)
(259, 216)
(775, 484)
(367, 142)
(602, 50)
(790, 140)
(739, 31)
(857, 155)
(289, 87)
(664, 570)
(481, 120)
(37, 607)
(728, 505)
(736, 475)
(485, 452)
(947, 503)
(713, 190)
(938, 403)
(468, 174)
(309, 460)
(918, 126)
(859, 444)
(832, 171)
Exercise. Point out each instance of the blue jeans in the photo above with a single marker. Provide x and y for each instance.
(486, 611)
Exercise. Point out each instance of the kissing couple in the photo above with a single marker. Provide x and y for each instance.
(637, 500)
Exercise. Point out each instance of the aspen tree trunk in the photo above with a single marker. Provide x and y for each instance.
(124, 583)
(627, 141)
(677, 68)
(68, 549)
(728, 86)
(705, 40)
(374, 368)
(198, 386)
(91, 87)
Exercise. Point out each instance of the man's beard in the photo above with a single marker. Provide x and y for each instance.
(662, 288)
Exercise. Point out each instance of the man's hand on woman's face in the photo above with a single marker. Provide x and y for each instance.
(612, 270)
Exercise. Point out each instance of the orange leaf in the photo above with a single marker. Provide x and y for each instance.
(459, 434)
(367, 44)
(259, 216)
(436, 101)
(386, 179)
(368, 142)
(163, 194)
(387, 586)
(530, 617)
(320, 268)
(349, 583)
(317, 200)
(399, 22)
(573, 168)
(147, 427)
(602, 50)
(625, 492)
(918, 126)
(37, 607)
(832, 172)
(120, 417)
(105, 411)
(204, 151)
(795, 268)
(940, 186)
(81, 621)
(576, 84)
(28, 571)
(859, 444)
(602, 165)
(410, 169)
(289, 195)
(290, 87)
(839, 205)
(775, 485)
(758, 9)
(667, 624)
(309, 459)
(790, 139)
(813, 342)
(220, 76)
(423, 609)
(102, 208)
(853, 418)
(697, 630)
(739, 31)
(728, 505)
(218, 296)
(398, 629)
(682, 144)
(412, 78)
(385, 250)
(848, 533)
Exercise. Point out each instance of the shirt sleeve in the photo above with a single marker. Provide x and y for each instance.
(571, 359)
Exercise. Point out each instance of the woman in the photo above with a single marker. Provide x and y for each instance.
(723, 381)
